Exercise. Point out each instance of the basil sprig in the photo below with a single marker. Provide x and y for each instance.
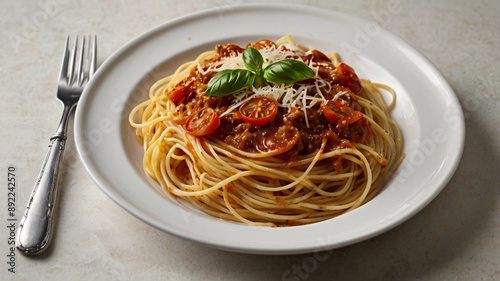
(229, 81)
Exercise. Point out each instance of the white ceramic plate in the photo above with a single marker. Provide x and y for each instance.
(427, 111)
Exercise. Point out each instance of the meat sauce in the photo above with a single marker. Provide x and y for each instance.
(287, 136)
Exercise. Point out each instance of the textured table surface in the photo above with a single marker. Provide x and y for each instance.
(456, 237)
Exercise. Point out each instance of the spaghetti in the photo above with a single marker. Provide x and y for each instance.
(274, 154)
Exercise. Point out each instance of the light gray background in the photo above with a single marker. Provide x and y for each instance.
(457, 237)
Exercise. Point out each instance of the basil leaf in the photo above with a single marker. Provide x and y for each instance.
(229, 81)
(259, 81)
(287, 71)
(252, 59)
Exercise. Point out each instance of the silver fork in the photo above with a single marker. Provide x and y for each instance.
(36, 226)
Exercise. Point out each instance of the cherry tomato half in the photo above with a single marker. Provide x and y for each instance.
(336, 111)
(202, 122)
(277, 141)
(345, 76)
(259, 111)
(178, 94)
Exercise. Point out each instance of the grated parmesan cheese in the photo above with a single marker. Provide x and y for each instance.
(285, 94)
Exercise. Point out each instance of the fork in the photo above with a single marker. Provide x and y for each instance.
(36, 226)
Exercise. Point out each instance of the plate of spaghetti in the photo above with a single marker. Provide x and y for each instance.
(309, 133)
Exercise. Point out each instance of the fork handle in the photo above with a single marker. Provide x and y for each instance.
(35, 228)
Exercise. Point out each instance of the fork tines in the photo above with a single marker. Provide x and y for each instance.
(86, 52)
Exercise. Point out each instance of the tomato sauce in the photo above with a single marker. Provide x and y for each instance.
(287, 135)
